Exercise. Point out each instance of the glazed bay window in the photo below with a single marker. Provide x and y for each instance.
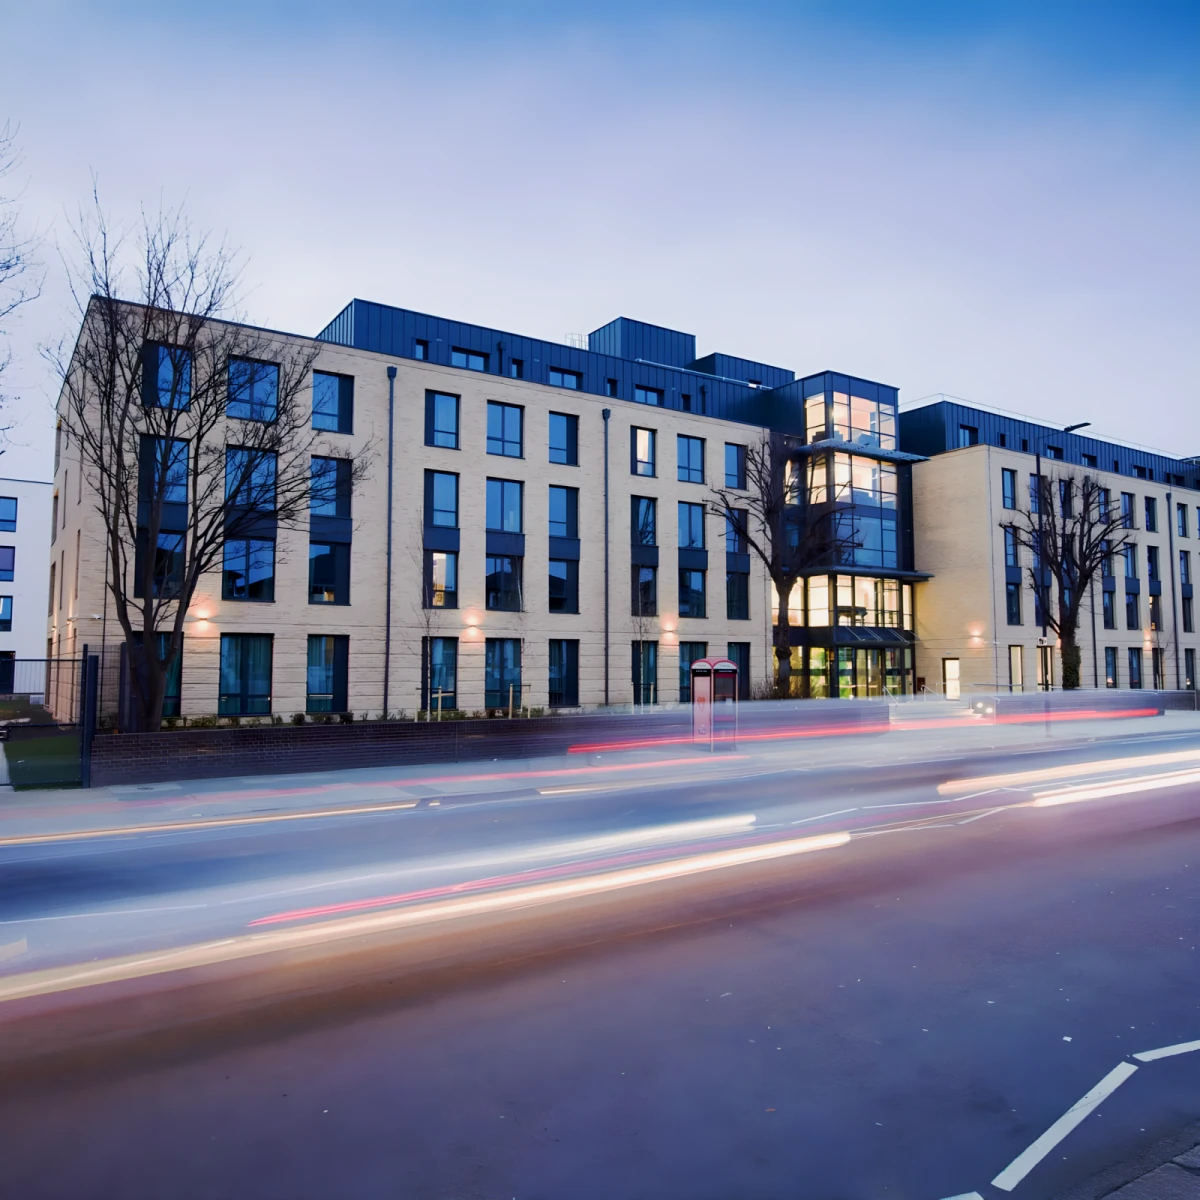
(691, 593)
(502, 583)
(333, 402)
(248, 570)
(441, 579)
(245, 687)
(470, 360)
(690, 459)
(441, 500)
(564, 673)
(502, 673)
(441, 420)
(642, 452)
(644, 602)
(564, 439)
(328, 573)
(328, 673)
(864, 419)
(253, 390)
(564, 585)
(439, 671)
(735, 466)
(505, 433)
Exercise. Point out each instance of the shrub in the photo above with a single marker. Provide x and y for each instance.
(298, 718)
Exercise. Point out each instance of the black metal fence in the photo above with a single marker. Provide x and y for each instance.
(40, 715)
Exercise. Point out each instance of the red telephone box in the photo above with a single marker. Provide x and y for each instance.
(715, 703)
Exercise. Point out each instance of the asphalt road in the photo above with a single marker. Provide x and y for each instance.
(899, 1017)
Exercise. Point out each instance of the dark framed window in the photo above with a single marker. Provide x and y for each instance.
(166, 577)
(610, 388)
(1110, 666)
(691, 593)
(564, 512)
(440, 674)
(505, 434)
(502, 584)
(739, 654)
(1133, 618)
(1151, 514)
(441, 420)
(685, 401)
(644, 602)
(1127, 501)
(328, 673)
(691, 526)
(1012, 602)
(330, 487)
(245, 688)
(505, 503)
(441, 499)
(1156, 666)
(441, 579)
(968, 435)
(1152, 563)
(564, 585)
(250, 479)
(1189, 669)
(162, 470)
(1088, 460)
(736, 530)
(8, 514)
(174, 689)
(564, 673)
(1054, 452)
(690, 459)
(645, 395)
(253, 390)
(1012, 550)
(6, 617)
(563, 379)
(1181, 519)
(421, 349)
(1110, 610)
(1131, 562)
(735, 466)
(645, 672)
(470, 360)
(642, 452)
(328, 573)
(643, 521)
(166, 377)
(516, 368)
(689, 652)
(1185, 566)
(502, 673)
(1033, 493)
(564, 439)
(1135, 668)
(333, 402)
(1156, 612)
(248, 570)
(737, 596)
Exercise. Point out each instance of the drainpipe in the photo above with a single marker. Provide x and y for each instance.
(1170, 515)
(387, 610)
(606, 413)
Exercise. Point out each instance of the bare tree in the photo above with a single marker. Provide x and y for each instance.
(192, 431)
(790, 532)
(18, 282)
(1068, 532)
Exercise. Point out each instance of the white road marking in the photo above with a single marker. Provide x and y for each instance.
(1030, 1157)
(1123, 787)
(987, 813)
(966, 1196)
(840, 812)
(1167, 1051)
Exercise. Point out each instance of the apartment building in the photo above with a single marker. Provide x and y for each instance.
(978, 622)
(26, 533)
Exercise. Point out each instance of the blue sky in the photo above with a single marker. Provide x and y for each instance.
(991, 200)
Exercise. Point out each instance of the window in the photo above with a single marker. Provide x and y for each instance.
(421, 349)
(328, 671)
(1131, 563)
(735, 466)
(563, 379)
(1012, 551)
(1110, 666)
(1088, 460)
(166, 567)
(564, 673)
(1016, 669)
(1105, 505)
(1189, 670)
(440, 674)
(245, 674)
(173, 690)
(644, 602)
(737, 596)
(166, 377)
(1152, 563)
(502, 673)
(1151, 514)
(1181, 519)
(564, 439)
(1002, 440)
(504, 504)
(6, 614)
(1012, 599)
(1054, 452)
(645, 395)
(1110, 610)
(441, 579)
(689, 652)
(53, 575)
(645, 672)
(333, 402)
(564, 512)
(54, 518)
(1135, 668)
(642, 448)
(739, 653)
(1065, 497)
(249, 570)
(1008, 487)
(691, 526)
(1033, 493)
(329, 492)
(685, 401)
(441, 500)
(1156, 612)
(690, 452)
(253, 390)
(328, 573)
(502, 584)
(504, 432)
(441, 420)
(8, 514)
(516, 368)
(643, 521)
(471, 360)
(1133, 618)
(163, 470)
(968, 435)
(1127, 510)
(1141, 473)
(610, 388)
(736, 528)
(564, 585)
(250, 479)
(691, 593)
(1185, 566)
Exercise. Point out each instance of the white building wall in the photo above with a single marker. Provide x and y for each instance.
(31, 566)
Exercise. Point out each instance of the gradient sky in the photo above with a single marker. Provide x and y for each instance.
(992, 200)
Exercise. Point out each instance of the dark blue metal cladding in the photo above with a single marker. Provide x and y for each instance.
(624, 338)
(742, 369)
(934, 429)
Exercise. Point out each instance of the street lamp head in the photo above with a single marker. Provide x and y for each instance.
(1072, 428)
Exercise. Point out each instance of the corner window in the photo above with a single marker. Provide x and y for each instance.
(441, 579)
(248, 570)
(253, 390)
(328, 573)
(642, 448)
(441, 499)
(563, 379)
(245, 688)
(645, 395)
(504, 505)
(505, 434)
(333, 402)
(441, 420)
(564, 439)
(690, 461)
(471, 360)
(735, 466)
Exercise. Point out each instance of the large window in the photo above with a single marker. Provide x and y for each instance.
(166, 564)
(1133, 618)
(163, 470)
(166, 377)
(564, 439)
(862, 419)
(564, 673)
(737, 524)
(968, 435)
(1012, 553)
(504, 505)
(329, 494)
(645, 672)
(1008, 487)
(564, 512)
(253, 390)
(1181, 519)
(689, 652)
(441, 420)
(245, 674)
(691, 593)
(1152, 563)
(502, 673)
(8, 556)
(642, 452)
(644, 602)
(328, 673)
(441, 667)
(564, 585)
(735, 466)
(643, 521)
(1131, 562)
(250, 479)
(691, 526)
(1127, 501)
(249, 570)
(505, 435)
(1135, 668)
(737, 596)
(328, 573)
(563, 379)
(471, 360)
(441, 579)
(333, 402)
(8, 514)
(690, 451)
(503, 582)
(441, 499)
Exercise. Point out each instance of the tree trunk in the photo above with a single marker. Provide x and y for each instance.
(1071, 658)
(783, 644)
